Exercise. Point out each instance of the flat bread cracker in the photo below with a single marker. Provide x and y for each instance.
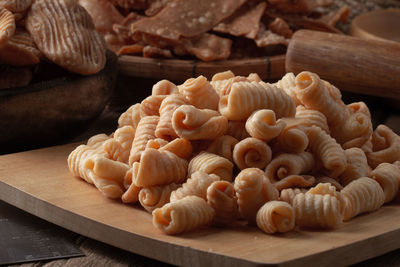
(209, 47)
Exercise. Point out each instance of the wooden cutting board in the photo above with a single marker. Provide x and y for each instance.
(39, 182)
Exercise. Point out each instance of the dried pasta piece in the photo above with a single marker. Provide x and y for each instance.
(184, 215)
(328, 150)
(168, 106)
(388, 176)
(7, 25)
(158, 167)
(237, 129)
(51, 24)
(262, 124)
(157, 196)
(326, 179)
(292, 138)
(385, 146)
(357, 166)
(97, 140)
(246, 97)
(286, 164)
(180, 147)
(359, 107)
(223, 146)
(200, 93)
(156, 143)
(253, 190)
(130, 117)
(195, 185)
(317, 211)
(150, 105)
(16, 6)
(362, 195)
(211, 164)
(328, 189)
(287, 83)
(294, 180)
(164, 87)
(251, 152)
(119, 147)
(288, 194)
(223, 87)
(131, 195)
(314, 93)
(221, 197)
(310, 117)
(145, 131)
(275, 216)
(192, 123)
(254, 77)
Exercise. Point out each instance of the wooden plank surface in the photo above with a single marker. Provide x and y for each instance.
(39, 182)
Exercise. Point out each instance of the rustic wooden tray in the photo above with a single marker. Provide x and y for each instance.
(39, 182)
(269, 67)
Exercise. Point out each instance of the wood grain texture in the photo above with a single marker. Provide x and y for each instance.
(39, 182)
(268, 68)
(352, 64)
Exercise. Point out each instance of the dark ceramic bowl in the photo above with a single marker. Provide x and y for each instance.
(47, 112)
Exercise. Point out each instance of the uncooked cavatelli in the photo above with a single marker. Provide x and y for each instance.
(315, 94)
(237, 129)
(362, 195)
(357, 166)
(359, 107)
(150, 105)
(288, 84)
(158, 167)
(195, 185)
(327, 150)
(200, 93)
(97, 140)
(253, 190)
(310, 117)
(223, 87)
(16, 6)
(212, 164)
(221, 197)
(192, 123)
(276, 216)
(130, 117)
(223, 146)
(131, 195)
(329, 189)
(184, 215)
(326, 179)
(168, 106)
(224, 75)
(180, 147)
(247, 97)
(119, 147)
(145, 131)
(156, 196)
(294, 180)
(288, 194)
(317, 211)
(254, 77)
(385, 146)
(388, 176)
(164, 87)
(252, 152)
(286, 164)
(7, 25)
(292, 138)
(156, 143)
(262, 124)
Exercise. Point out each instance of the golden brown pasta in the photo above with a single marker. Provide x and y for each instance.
(287, 83)
(211, 164)
(262, 124)
(246, 97)
(221, 197)
(285, 164)
(130, 117)
(168, 106)
(328, 150)
(223, 87)
(359, 107)
(294, 180)
(292, 138)
(183, 215)
(192, 123)
(195, 185)
(200, 93)
(275, 216)
(180, 147)
(362, 195)
(119, 147)
(388, 176)
(164, 87)
(251, 152)
(385, 146)
(150, 105)
(357, 166)
(310, 117)
(156, 196)
(156, 143)
(253, 190)
(237, 129)
(223, 146)
(288, 194)
(145, 131)
(158, 167)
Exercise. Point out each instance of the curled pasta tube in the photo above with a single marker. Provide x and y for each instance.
(357, 166)
(211, 164)
(223, 87)
(156, 196)
(288, 84)
(251, 152)
(119, 147)
(130, 117)
(184, 215)
(224, 75)
(164, 87)
(192, 123)
(262, 124)
(388, 177)
(180, 147)
(286, 164)
(221, 197)
(288, 194)
(326, 179)
(200, 93)
(292, 138)
(131, 195)
(237, 129)
(253, 189)
(310, 117)
(107, 168)
(275, 216)
(223, 146)
(294, 180)
(150, 105)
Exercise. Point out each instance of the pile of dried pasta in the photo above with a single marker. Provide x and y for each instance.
(237, 148)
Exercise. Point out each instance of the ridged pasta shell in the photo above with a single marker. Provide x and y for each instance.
(7, 26)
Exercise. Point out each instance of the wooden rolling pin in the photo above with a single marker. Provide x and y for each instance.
(351, 64)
